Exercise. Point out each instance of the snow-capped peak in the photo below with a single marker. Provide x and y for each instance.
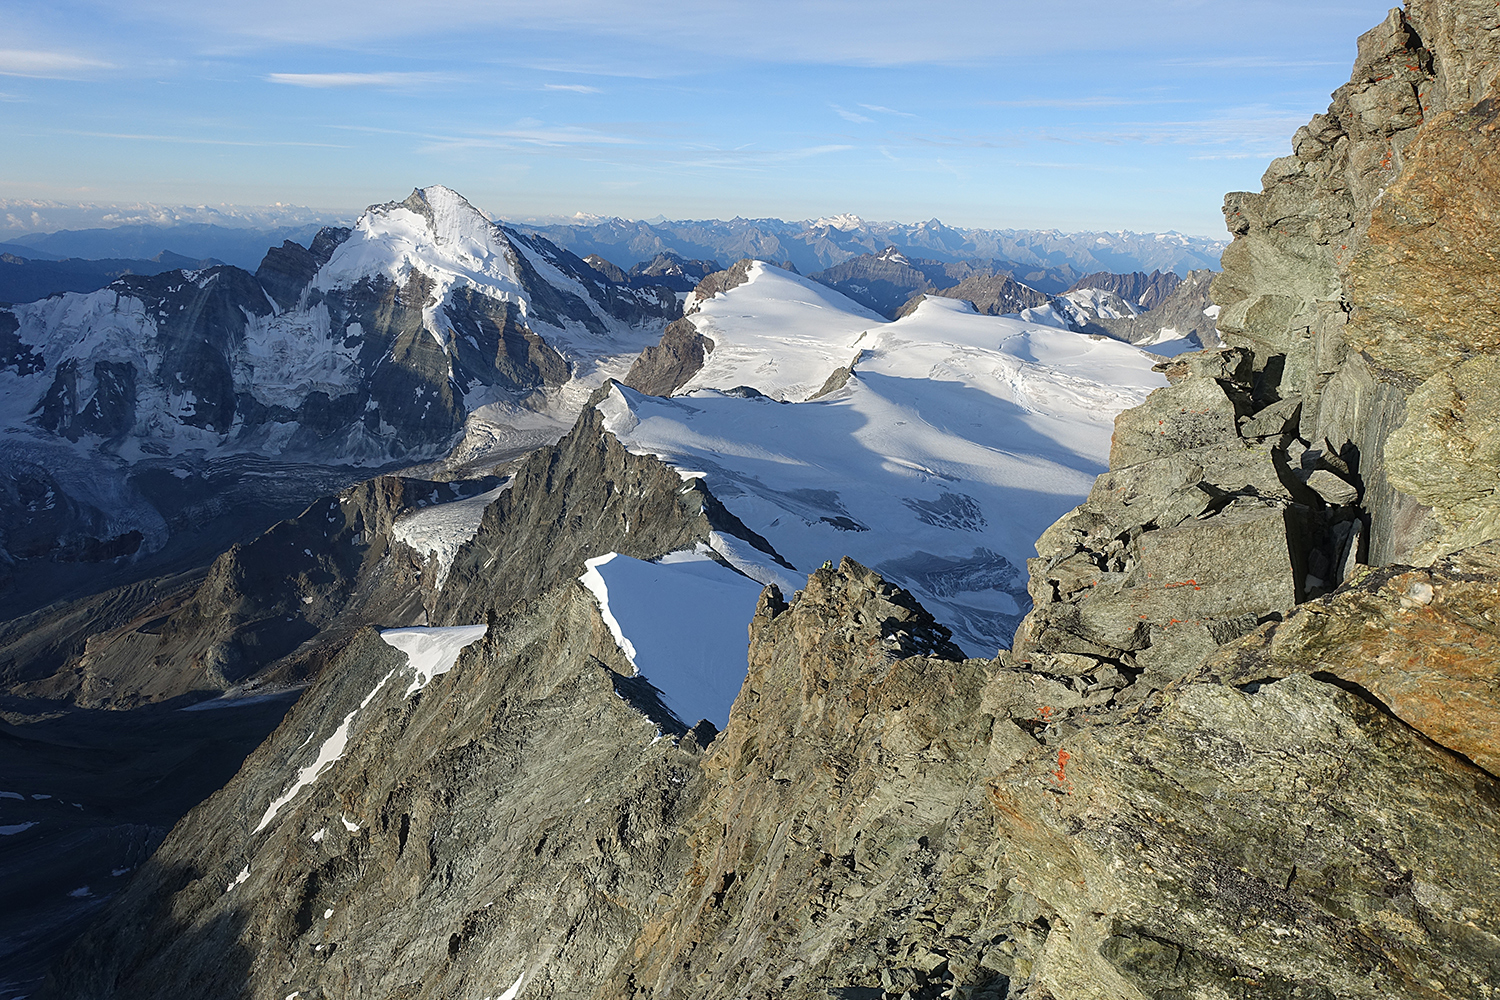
(453, 221)
(435, 232)
(844, 222)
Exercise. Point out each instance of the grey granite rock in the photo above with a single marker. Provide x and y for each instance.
(1194, 413)
(666, 366)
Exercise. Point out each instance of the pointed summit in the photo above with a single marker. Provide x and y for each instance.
(453, 221)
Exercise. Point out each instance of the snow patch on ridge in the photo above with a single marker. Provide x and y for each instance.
(431, 651)
(330, 751)
(682, 621)
(439, 531)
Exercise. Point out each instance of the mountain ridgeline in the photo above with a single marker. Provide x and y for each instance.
(1242, 745)
(139, 411)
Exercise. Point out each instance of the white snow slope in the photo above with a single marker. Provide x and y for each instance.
(682, 621)
(431, 651)
(779, 333)
(958, 440)
(441, 530)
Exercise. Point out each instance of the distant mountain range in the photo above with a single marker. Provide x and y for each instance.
(823, 243)
(25, 279)
(240, 247)
(1041, 258)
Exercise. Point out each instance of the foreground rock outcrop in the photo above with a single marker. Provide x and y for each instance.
(1365, 270)
(880, 825)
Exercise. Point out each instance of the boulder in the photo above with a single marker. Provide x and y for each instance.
(1424, 642)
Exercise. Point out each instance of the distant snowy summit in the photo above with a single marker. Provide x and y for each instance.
(369, 345)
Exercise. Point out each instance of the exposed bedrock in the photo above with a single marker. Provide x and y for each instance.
(583, 497)
(879, 825)
(432, 828)
(1366, 268)
(268, 612)
(665, 367)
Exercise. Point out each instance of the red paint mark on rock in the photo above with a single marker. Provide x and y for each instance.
(1061, 774)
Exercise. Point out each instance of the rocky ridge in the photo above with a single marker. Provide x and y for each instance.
(554, 686)
(1333, 280)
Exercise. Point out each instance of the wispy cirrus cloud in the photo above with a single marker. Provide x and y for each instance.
(49, 65)
(334, 81)
(195, 140)
(746, 158)
(1249, 62)
(527, 132)
(1085, 102)
(879, 109)
(852, 116)
(577, 88)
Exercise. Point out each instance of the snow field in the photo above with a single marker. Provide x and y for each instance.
(779, 333)
(682, 622)
(959, 439)
(439, 531)
(432, 651)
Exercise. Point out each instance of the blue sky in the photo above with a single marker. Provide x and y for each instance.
(1083, 115)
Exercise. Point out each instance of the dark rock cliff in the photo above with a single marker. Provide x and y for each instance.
(878, 825)
(1144, 290)
(268, 613)
(666, 366)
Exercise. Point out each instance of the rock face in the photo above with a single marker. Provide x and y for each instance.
(873, 825)
(286, 601)
(399, 864)
(1143, 309)
(1361, 272)
(1146, 291)
(666, 366)
(671, 271)
(995, 294)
